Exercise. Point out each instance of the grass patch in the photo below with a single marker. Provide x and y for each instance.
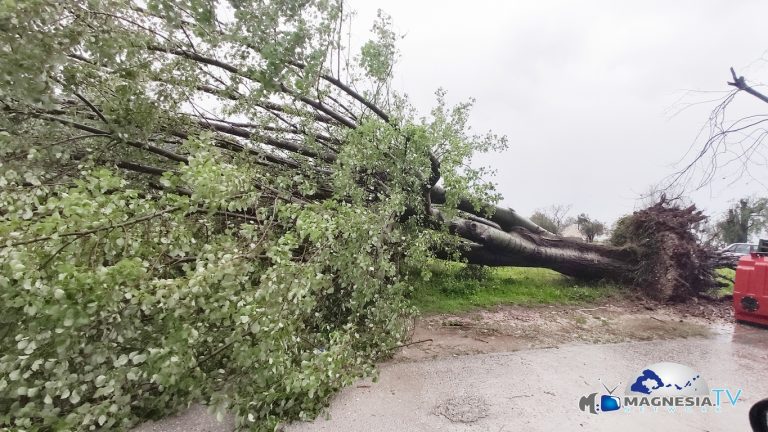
(457, 288)
(730, 274)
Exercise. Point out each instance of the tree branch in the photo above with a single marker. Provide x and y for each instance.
(234, 70)
(144, 146)
(95, 230)
(506, 218)
(348, 90)
(740, 83)
(274, 142)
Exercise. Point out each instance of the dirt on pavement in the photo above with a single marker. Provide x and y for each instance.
(539, 390)
(512, 328)
(418, 393)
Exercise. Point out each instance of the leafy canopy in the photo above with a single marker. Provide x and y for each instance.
(197, 207)
(589, 228)
(743, 219)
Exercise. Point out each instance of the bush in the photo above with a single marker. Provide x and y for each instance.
(621, 232)
(463, 281)
(474, 272)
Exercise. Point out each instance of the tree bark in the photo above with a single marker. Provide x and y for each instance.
(506, 218)
(519, 247)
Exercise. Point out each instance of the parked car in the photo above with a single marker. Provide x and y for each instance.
(739, 249)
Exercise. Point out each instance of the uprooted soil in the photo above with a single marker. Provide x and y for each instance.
(511, 328)
(672, 262)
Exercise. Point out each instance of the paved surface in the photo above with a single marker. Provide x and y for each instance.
(534, 390)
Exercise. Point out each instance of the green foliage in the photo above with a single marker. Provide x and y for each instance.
(746, 217)
(145, 264)
(377, 57)
(447, 133)
(544, 221)
(465, 281)
(553, 218)
(474, 272)
(448, 290)
(589, 228)
(135, 319)
(620, 234)
(727, 276)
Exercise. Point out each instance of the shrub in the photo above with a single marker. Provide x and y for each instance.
(474, 272)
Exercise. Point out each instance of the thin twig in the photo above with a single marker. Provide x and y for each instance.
(95, 230)
(413, 343)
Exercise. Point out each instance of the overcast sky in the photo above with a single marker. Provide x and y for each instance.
(584, 90)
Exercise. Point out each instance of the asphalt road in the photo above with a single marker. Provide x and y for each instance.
(534, 390)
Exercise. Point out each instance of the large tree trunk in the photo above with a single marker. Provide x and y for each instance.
(486, 243)
(660, 254)
(505, 238)
(521, 248)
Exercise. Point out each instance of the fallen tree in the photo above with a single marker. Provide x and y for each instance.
(195, 193)
(656, 251)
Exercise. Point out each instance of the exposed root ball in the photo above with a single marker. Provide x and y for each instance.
(673, 264)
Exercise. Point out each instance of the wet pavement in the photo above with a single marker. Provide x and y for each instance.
(535, 390)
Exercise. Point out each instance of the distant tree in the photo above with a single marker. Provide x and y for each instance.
(589, 228)
(541, 219)
(744, 218)
(553, 218)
